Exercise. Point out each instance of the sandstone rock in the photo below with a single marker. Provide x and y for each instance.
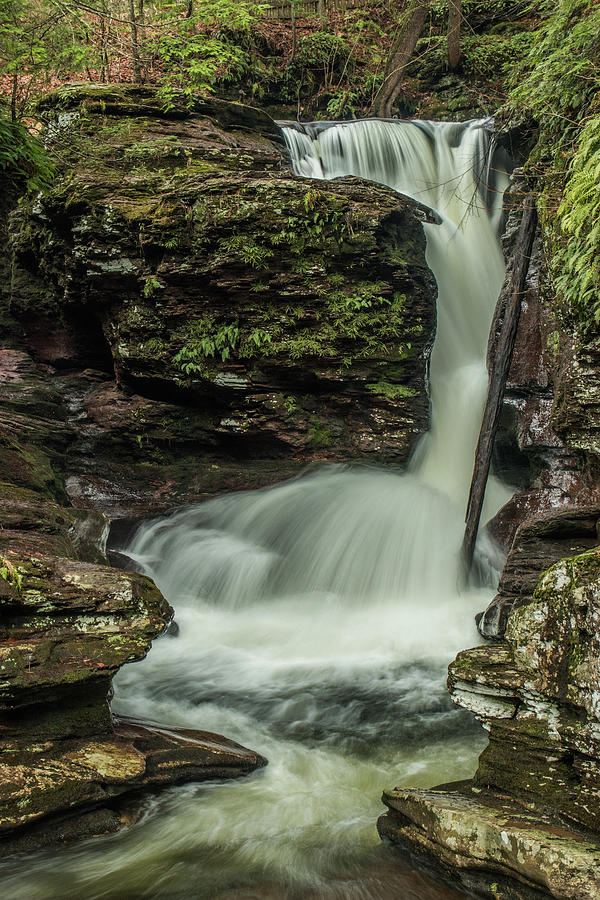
(492, 845)
(527, 825)
(68, 623)
(538, 695)
(538, 543)
(64, 776)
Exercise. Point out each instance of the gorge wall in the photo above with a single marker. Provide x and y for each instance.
(526, 825)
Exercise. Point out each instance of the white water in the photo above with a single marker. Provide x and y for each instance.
(317, 618)
(448, 168)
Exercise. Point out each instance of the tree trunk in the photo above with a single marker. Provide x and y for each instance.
(13, 97)
(135, 47)
(454, 23)
(498, 374)
(402, 50)
(294, 36)
(142, 20)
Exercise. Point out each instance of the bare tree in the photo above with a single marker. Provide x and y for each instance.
(411, 26)
(454, 23)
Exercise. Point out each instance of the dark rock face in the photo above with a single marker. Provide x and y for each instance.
(547, 471)
(69, 622)
(537, 545)
(249, 316)
(550, 473)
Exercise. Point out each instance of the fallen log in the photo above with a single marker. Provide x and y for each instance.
(499, 369)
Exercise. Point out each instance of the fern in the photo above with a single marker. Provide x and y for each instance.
(576, 258)
(23, 159)
(557, 84)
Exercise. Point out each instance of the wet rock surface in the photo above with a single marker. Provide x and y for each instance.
(529, 819)
(526, 826)
(531, 453)
(100, 774)
(492, 846)
(222, 322)
(538, 543)
(69, 622)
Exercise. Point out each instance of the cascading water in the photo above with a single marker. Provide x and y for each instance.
(449, 168)
(317, 618)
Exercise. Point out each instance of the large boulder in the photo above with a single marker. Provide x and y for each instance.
(69, 622)
(232, 312)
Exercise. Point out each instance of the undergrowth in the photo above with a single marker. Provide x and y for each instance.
(23, 160)
(558, 84)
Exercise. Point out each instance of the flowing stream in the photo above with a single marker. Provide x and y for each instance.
(317, 618)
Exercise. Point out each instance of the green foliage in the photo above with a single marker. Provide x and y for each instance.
(322, 50)
(206, 340)
(40, 39)
(558, 84)
(10, 574)
(213, 45)
(209, 339)
(364, 323)
(151, 286)
(249, 251)
(488, 56)
(23, 159)
(319, 436)
(342, 103)
(478, 12)
(576, 254)
(493, 55)
(558, 80)
(322, 58)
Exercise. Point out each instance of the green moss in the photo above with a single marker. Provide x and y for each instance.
(391, 391)
(319, 436)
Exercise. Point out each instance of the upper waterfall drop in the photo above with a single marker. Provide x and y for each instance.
(455, 170)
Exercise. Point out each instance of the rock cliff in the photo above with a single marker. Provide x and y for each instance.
(526, 826)
(69, 622)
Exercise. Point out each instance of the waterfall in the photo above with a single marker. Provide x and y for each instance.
(452, 169)
(317, 618)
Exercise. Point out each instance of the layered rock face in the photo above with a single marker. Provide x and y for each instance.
(532, 451)
(69, 622)
(527, 826)
(538, 543)
(239, 321)
(528, 822)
